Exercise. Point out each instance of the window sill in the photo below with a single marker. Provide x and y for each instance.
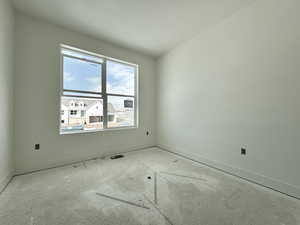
(96, 131)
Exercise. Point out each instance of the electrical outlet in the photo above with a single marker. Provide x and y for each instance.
(37, 147)
(243, 151)
(148, 133)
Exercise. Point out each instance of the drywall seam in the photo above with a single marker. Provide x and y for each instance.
(276, 185)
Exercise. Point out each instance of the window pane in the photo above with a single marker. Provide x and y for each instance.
(120, 111)
(81, 75)
(120, 78)
(80, 114)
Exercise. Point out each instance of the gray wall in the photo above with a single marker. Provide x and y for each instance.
(6, 91)
(37, 99)
(238, 85)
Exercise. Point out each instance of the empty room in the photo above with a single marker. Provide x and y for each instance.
(158, 112)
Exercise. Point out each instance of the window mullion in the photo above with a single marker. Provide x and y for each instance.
(121, 95)
(80, 91)
(104, 78)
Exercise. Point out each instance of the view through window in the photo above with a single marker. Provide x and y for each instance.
(97, 92)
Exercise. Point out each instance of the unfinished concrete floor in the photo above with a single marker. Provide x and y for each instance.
(148, 187)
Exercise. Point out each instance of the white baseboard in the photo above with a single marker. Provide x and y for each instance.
(282, 187)
(4, 182)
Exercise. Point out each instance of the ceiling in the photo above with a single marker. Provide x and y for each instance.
(149, 26)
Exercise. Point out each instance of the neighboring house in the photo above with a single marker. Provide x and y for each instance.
(84, 113)
(94, 113)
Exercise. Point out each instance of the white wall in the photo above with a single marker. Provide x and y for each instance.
(238, 85)
(6, 93)
(37, 99)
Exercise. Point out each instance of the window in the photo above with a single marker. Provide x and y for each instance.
(111, 118)
(98, 92)
(73, 112)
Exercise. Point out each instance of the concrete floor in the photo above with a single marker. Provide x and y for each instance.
(148, 187)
